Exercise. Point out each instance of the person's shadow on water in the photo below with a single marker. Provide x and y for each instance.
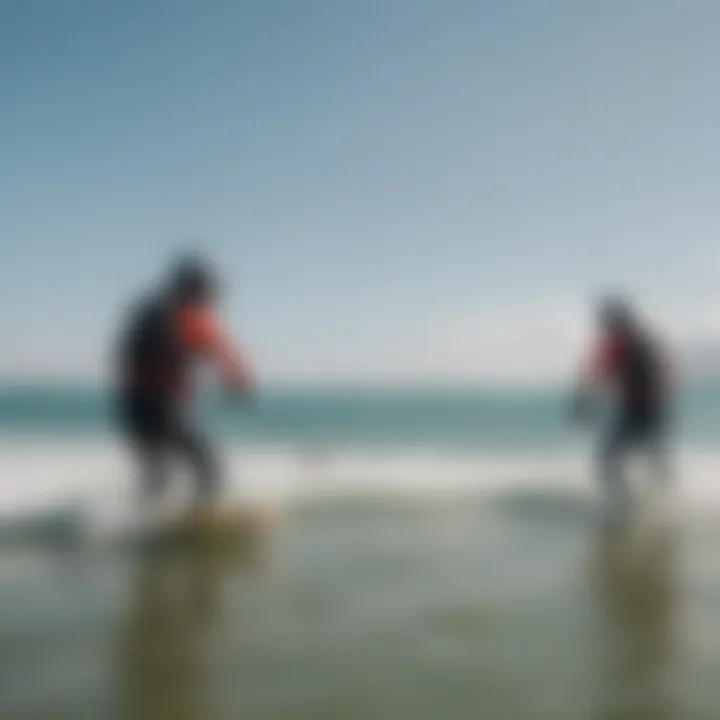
(174, 603)
(634, 577)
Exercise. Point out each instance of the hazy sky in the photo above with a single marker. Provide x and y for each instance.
(393, 188)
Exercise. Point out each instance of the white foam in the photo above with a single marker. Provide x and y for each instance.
(37, 475)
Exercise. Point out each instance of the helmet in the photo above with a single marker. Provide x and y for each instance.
(193, 278)
(615, 312)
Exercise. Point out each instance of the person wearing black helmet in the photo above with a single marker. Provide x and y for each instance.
(630, 362)
(165, 336)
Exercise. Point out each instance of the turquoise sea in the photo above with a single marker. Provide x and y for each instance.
(461, 418)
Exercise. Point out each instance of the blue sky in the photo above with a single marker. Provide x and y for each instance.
(395, 189)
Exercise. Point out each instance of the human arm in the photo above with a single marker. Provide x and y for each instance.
(202, 332)
(596, 371)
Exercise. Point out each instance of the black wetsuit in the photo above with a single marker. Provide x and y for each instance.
(153, 369)
(642, 414)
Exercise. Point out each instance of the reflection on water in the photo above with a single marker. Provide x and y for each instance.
(174, 605)
(635, 577)
(326, 662)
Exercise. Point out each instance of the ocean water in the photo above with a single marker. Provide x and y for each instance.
(437, 555)
(61, 443)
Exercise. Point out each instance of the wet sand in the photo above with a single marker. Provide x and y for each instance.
(450, 608)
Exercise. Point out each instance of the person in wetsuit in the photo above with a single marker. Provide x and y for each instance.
(631, 363)
(166, 335)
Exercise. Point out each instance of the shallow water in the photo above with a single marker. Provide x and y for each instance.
(448, 607)
(441, 557)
